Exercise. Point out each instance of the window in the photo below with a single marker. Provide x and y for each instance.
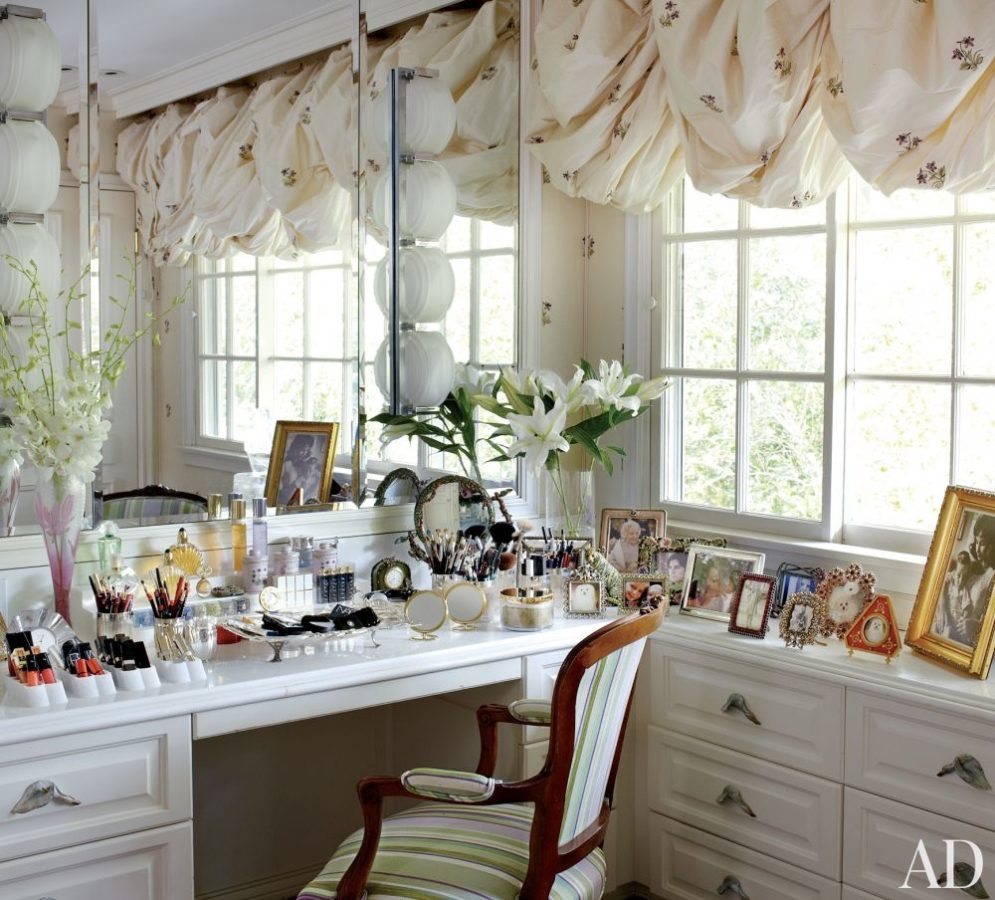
(830, 363)
(275, 334)
(280, 335)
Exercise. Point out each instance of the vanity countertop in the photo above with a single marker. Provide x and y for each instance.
(241, 676)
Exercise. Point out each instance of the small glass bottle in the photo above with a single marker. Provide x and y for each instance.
(108, 545)
(260, 527)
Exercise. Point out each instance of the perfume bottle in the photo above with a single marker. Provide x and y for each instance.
(260, 528)
(237, 515)
(108, 545)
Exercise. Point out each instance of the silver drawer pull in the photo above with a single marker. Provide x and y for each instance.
(732, 794)
(968, 770)
(964, 875)
(738, 701)
(39, 794)
(730, 885)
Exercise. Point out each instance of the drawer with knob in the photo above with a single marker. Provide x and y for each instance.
(789, 815)
(69, 790)
(151, 865)
(940, 762)
(883, 844)
(689, 864)
(785, 718)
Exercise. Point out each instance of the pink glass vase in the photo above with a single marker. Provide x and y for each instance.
(10, 488)
(59, 505)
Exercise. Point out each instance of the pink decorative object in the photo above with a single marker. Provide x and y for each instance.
(10, 488)
(59, 503)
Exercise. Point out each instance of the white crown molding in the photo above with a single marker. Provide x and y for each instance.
(382, 13)
(289, 40)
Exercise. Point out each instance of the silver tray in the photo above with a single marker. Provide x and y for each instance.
(249, 626)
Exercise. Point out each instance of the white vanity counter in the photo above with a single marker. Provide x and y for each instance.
(244, 690)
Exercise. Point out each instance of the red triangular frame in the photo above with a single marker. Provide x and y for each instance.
(892, 644)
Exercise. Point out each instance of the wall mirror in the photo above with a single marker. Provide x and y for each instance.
(228, 136)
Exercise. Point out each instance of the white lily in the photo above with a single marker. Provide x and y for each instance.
(649, 390)
(571, 394)
(538, 435)
(610, 388)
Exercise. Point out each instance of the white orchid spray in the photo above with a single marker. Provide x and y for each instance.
(57, 396)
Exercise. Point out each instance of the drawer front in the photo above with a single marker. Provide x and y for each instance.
(800, 719)
(796, 817)
(691, 865)
(125, 779)
(153, 865)
(881, 840)
(897, 750)
(540, 674)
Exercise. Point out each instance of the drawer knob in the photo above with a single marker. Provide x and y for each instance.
(968, 770)
(732, 794)
(730, 885)
(738, 701)
(39, 794)
(964, 875)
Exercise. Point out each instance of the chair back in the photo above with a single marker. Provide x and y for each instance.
(152, 501)
(590, 709)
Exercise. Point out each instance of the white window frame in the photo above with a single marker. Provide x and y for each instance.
(837, 378)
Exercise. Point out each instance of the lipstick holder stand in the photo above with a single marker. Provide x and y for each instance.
(136, 679)
(87, 688)
(37, 697)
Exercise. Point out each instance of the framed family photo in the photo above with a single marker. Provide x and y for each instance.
(954, 617)
(712, 579)
(302, 460)
(639, 590)
(751, 606)
(622, 534)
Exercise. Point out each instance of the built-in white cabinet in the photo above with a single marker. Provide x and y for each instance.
(774, 773)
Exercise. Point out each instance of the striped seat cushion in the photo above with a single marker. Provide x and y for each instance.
(435, 852)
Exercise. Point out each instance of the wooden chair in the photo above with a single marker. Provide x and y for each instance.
(534, 839)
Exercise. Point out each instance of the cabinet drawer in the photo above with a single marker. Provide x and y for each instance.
(880, 839)
(153, 865)
(691, 865)
(796, 817)
(897, 749)
(125, 779)
(800, 719)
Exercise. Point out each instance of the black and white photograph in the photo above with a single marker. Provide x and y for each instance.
(802, 619)
(300, 467)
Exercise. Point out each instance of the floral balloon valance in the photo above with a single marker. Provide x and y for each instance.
(770, 101)
(268, 168)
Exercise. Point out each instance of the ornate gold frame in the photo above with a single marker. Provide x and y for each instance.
(918, 636)
(285, 427)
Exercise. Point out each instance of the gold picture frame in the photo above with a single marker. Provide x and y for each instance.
(953, 619)
(648, 528)
(311, 473)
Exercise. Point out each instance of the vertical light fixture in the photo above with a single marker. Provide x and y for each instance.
(414, 284)
(30, 70)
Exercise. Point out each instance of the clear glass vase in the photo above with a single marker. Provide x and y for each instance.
(10, 489)
(59, 505)
(570, 501)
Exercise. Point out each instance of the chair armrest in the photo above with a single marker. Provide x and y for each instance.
(448, 784)
(531, 712)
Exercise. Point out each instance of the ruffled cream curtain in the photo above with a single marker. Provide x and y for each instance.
(268, 169)
(770, 101)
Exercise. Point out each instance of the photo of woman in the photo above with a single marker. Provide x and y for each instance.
(622, 536)
(712, 579)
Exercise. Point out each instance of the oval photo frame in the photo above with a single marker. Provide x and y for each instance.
(467, 501)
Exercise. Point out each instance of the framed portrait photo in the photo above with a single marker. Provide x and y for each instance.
(585, 599)
(640, 590)
(802, 619)
(624, 534)
(751, 606)
(712, 579)
(302, 459)
(953, 619)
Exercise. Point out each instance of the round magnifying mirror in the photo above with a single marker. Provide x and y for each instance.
(466, 603)
(425, 613)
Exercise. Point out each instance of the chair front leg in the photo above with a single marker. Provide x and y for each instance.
(371, 793)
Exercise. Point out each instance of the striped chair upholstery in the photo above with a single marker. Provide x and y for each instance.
(504, 840)
(456, 853)
(602, 700)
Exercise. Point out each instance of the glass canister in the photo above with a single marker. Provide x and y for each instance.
(526, 609)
